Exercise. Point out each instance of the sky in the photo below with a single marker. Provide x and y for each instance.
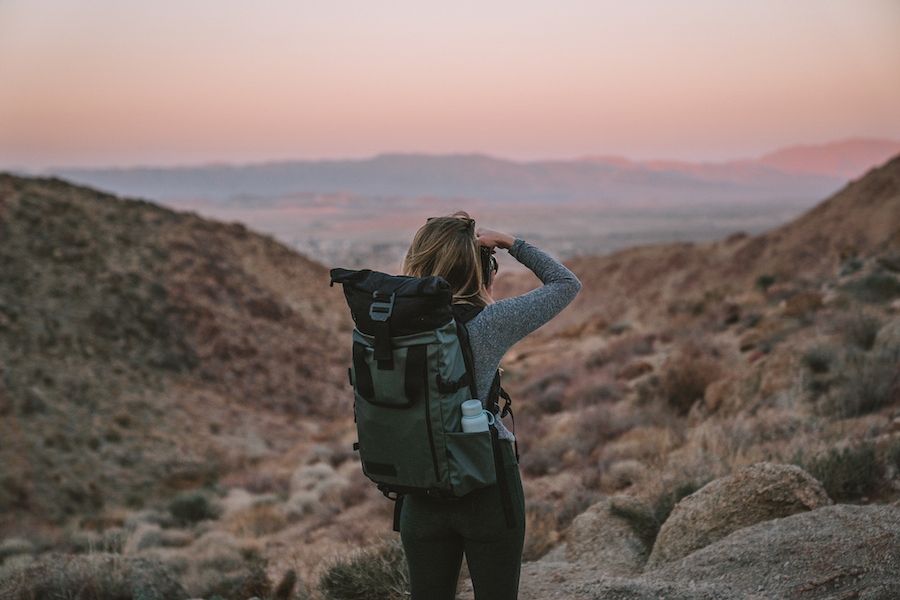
(97, 83)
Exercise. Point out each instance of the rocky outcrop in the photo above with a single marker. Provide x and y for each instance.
(758, 493)
(838, 551)
(607, 537)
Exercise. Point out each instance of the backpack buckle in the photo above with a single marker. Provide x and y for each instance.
(381, 311)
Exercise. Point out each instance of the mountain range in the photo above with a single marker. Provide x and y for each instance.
(799, 174)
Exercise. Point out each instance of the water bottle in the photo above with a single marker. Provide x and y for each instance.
(475, 418)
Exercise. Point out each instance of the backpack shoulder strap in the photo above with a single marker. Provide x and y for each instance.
(463, 313)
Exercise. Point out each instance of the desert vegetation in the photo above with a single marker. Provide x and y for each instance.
(173, 437)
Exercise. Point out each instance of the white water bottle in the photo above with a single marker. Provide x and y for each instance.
(474, 417)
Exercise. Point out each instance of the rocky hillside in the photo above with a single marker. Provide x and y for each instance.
(144, 350)
(648, 283)
(700, 423)
(683, 363)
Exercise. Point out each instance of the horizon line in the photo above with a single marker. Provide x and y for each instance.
(425, 154)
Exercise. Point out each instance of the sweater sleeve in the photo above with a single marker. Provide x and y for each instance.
(501, 324)
(517, 317)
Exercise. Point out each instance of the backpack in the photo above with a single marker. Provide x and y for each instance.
(411, 370)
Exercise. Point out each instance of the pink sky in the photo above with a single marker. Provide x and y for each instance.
(112, 83)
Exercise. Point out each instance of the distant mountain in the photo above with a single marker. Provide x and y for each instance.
(800, 175)
(848, 158)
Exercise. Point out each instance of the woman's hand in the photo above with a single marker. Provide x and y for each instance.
(494, 239)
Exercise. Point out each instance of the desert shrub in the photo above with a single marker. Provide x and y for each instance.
(258, 520)
(874, 287)
(249, 582)
(377, 573)
(869, 383)
(258, 482)
(286, 586)
(599, 425)
(573, 505)
(546, 392)
(541, 530)
(765, 281)
(538, 462)
(358, 491)
(93, 577)
(619, 327)
(685, 377)
(626, 347)
(190, 507)
(597, 359)
(111, 540)
(845, 473)
(850, 265)
(892, 460)
(858, 329)
(649, 389)
(819, 359)
(602, 392)
(549, 401)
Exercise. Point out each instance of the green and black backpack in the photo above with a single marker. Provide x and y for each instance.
(411, 370)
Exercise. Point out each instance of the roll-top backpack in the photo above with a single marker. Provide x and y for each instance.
(411, 370)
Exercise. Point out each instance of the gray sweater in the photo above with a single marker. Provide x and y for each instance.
(500, 325)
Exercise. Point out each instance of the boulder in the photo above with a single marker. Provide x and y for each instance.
(607, 537)
(838, 551)
(757, 493)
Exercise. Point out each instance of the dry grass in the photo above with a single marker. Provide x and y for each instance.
(542, 530)
(375, 573)
(687, 373)
(259, 520)
(93, 577)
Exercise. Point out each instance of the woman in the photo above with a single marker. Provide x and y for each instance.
(436, 535)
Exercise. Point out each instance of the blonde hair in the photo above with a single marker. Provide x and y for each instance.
(447, 247)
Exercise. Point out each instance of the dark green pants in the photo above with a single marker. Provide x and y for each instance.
(436, 535)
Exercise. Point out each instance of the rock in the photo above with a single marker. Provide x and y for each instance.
(838, 551)
(834, 552)
(606, 537)
(760, 492)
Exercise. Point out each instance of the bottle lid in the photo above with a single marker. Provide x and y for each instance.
(472, 408)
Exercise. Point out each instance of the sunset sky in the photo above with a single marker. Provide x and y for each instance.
(171, 82)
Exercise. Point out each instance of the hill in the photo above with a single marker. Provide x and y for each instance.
(145, 351)
(641, 283)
